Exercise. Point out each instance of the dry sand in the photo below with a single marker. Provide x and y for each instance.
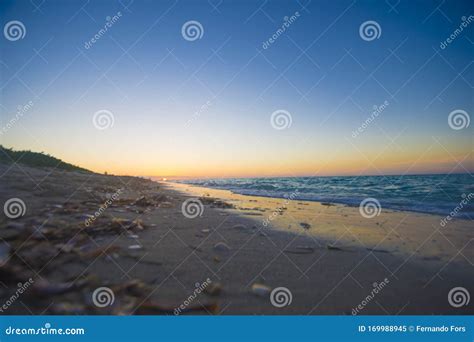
(229, 246)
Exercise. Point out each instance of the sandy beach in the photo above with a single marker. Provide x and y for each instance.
(235, 251)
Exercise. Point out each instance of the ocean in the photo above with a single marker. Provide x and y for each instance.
(432, 194)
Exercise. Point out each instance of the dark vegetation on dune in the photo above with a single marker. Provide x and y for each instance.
(36, 159)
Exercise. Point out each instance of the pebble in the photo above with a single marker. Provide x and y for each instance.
(240, 226)
(305, 225)
(214, 289)
(16, 225)
(135, 247)
(221, 247)
(260, 290)
(9, 234)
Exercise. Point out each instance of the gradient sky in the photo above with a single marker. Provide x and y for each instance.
(320, 70)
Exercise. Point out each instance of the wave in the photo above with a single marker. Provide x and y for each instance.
(432, 194)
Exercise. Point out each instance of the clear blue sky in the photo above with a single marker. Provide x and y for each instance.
(320, 70)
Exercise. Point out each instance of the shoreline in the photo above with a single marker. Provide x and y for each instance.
(151, 256)
(334, 201)
(390, 231)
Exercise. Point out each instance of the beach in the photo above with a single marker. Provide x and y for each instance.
(83, 231)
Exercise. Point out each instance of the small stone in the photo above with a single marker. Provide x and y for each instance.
(214, 289)
(9, 234)
(260, 290)
(16, 225)
(305, 225)
(221, 247)
(138, 224)
(135, 247)
(240, 226)
(166, 205)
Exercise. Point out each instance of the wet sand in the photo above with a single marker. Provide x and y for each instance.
(405, 234)
(152, 256)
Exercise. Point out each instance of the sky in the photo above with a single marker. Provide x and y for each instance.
(148, 97)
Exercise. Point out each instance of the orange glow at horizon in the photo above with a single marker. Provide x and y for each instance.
(412, 163)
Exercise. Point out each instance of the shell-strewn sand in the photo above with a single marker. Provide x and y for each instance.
(151, 256)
